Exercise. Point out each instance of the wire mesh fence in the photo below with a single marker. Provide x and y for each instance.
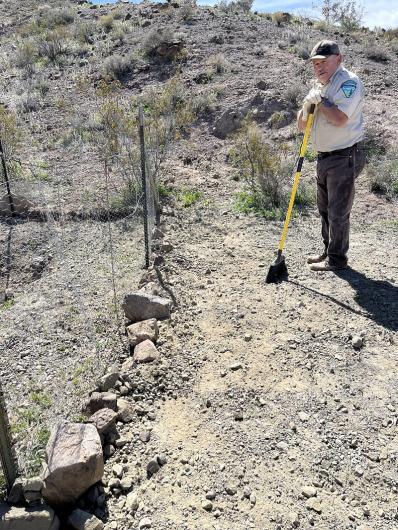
(73, 244)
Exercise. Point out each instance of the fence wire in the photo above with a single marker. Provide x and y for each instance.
(73, 249)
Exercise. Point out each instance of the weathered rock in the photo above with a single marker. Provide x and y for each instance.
(22, 205)
(81, 520)
(145, 330)
(31, 518)
(32, 489)
(100, 400)
(308, 491)
(207, 505)
(132, 501)
(16, 494)
(108, 380)
(145, 352)
(125, 411)
(314, 504)
(227, 123)
(140, 306)
(357, 342)
(74, 462)
(145, 523)
(104, 419)
(152, 467)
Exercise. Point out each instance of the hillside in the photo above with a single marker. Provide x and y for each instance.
(274, 405)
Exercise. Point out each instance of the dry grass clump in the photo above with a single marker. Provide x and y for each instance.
(188, 9)
(376, 53)
(383, 174)
(107, 22)
(218, 63)
(118, 66)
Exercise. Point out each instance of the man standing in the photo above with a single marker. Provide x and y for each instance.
(337, 136)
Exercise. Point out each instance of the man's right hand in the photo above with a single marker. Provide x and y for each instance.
(313, 97)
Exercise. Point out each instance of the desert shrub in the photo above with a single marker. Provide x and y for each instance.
(204, 103)
(383, 174)
(117, 66)
(158, 37)
(119, 32)
(390, 34)
(51, 18)
(84, 32)
(26, 55)
(294, 94)
(29, 102)
(347, 13)
(9, 132)
(107, 22)
(279, 17)
(264, 170)
(188, 10)
(375, 144)
(218, 63)
(52, 44)
(235, 6)
(375, 52)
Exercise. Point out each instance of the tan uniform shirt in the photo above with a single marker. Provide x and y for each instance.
(346, 91)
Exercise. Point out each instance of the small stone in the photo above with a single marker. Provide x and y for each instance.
(231, 489)
(308, 491)
(108, 380)
(145, 436)
(283, 446)
(303, 416)
(126, 483)
(235, 366)
(314, 504)
(162, 460)
(247, 492)
(359, 471)
(248, 337)
(211, 495)
(132, 501)
(152, 467)
(117, 470)
(357, 342)
(253, 499)
(207, 505)
(145, 523)
(294, 519)
(238, 416)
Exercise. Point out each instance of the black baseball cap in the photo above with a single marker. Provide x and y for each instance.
(324, 49)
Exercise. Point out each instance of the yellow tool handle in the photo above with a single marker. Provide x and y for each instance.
(296, 178)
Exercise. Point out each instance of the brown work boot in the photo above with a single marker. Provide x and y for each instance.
(317, 258)
(326, 266)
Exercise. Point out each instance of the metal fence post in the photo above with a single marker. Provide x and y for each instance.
(6, 178)
(7, 455)
(144, 183)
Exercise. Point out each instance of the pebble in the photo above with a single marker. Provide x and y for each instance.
(117, 470)
(152, 467)
(314, 504)
(145, 523)
(283, 446)
(308, 491)
(231, 489)
(303, 416)
(211, 495)
(294, 519)
(357, 342)
(207, 505)
(235, 366)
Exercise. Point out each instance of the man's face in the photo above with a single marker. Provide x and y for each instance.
(325, 68)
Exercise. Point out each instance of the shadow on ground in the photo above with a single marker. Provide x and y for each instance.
(377, 298)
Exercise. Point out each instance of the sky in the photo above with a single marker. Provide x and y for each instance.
(380, 13)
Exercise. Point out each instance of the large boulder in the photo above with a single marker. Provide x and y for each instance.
(228, 122)
(31, 518)
(100, 400)
(141, 306)
(74, 462)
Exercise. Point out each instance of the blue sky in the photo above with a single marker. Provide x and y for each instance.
(380, 13)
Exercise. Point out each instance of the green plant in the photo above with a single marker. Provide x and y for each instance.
(107, 22)
(374, 143)
(383, 174)
(189, 197)
(347, 13)
(51, 18)
(41, 399)
(26, 55)
(52, 44)
(218, 63)
(117, 67)
(263, 169)
(310, 155)
(7, 305)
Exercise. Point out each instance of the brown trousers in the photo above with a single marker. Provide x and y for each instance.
(336, 174)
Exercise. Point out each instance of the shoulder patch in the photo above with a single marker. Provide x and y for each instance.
(349, 87)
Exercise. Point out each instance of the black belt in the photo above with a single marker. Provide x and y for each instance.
(339, 152)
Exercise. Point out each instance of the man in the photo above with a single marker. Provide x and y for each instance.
(337, 136)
